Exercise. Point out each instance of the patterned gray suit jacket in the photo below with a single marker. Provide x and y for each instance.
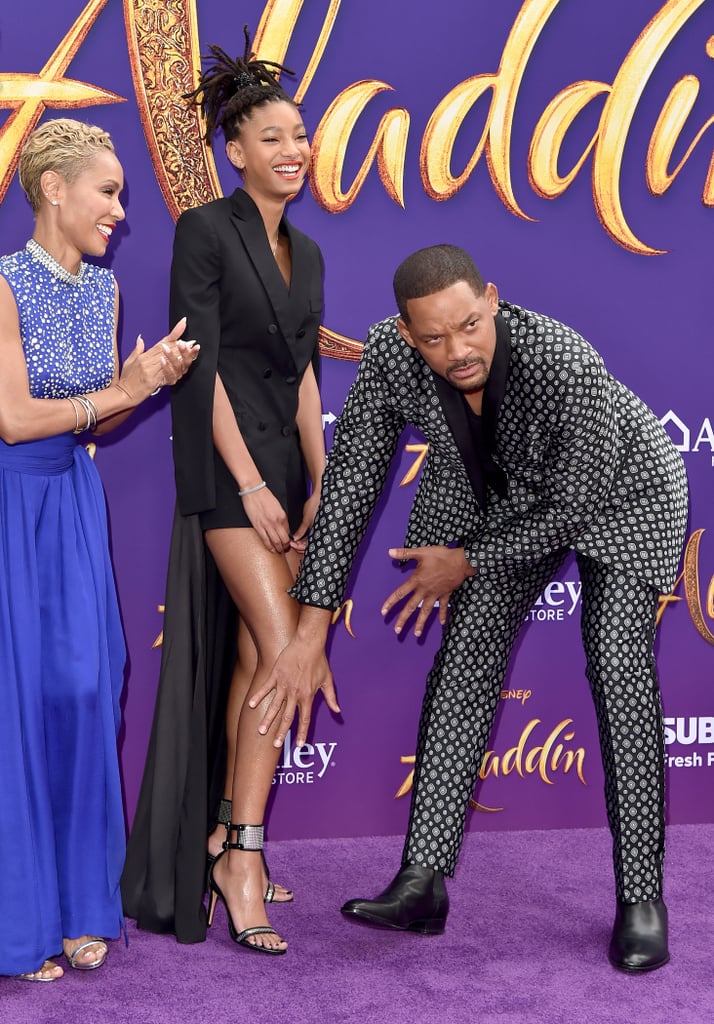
(588, 465)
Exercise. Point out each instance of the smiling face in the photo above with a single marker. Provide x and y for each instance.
(272, 151)
(88, 207)
(455, 333)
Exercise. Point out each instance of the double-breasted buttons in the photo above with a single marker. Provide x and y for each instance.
(267, 373)
(272, 328)
(291, 379)
(300, 333)
(285, 431)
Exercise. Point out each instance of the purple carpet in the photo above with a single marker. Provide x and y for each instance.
(525, 943)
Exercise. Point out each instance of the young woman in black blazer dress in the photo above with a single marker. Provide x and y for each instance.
(247, 435)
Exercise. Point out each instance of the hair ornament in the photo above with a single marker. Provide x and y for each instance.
(244, 79)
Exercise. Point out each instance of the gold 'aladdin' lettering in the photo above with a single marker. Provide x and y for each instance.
(345, 610)
(544, 759)
(692, 590)
(606, 147)
(26, 95)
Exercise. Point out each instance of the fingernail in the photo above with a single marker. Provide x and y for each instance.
(165, 347)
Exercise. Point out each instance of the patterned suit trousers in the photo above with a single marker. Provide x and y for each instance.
(462, 694)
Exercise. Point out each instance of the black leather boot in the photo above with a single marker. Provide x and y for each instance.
(416, 901)
(639, 936)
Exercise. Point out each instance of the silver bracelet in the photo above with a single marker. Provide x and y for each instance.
(91, 411)
(87, 411)
(77, 428)
(252, 490)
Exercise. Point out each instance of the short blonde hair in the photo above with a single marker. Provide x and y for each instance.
(62, 145)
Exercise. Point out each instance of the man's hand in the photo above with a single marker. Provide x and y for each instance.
(439, 571)
(300, 671)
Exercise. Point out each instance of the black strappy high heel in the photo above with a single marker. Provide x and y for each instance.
(249, 838)
(225, 809)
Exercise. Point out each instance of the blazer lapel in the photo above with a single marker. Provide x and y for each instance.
(300, 272)
(454, 408)
(495, 389)
(479, 464)
(249, 224)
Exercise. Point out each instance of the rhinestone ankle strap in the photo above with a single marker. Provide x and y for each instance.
(249, 837)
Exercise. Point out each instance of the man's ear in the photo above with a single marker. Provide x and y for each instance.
(404, 331)
(491, 294)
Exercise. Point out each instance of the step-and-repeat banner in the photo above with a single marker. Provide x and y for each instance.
(568, 146)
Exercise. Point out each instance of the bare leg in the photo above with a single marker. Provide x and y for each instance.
(258, 581)
(240, 683)
(242, 677)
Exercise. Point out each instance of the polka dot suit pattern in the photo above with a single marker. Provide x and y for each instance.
(589, 468)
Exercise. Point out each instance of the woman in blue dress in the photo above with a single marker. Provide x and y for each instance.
(61, 644)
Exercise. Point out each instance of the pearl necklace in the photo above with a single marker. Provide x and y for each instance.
(51, 264)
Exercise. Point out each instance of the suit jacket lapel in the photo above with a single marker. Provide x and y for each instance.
(480, 466)
(495, 389)
(249, 224)
(454, 408)
(300, 272)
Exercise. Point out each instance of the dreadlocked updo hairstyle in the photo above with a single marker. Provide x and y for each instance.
(228, 89)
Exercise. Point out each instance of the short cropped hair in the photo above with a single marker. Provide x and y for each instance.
(432, 270)
(63, 145)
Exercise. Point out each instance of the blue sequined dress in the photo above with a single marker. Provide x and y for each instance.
(61, 643)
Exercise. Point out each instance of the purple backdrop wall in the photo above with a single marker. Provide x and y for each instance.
(574, 241)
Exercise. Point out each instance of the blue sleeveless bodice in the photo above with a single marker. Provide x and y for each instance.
(67, 328)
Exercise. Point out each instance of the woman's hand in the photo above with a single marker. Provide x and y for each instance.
(268, 519)
(298, 541)
(147, 370)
